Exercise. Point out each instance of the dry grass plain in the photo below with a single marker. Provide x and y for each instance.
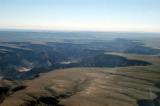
(121, 86)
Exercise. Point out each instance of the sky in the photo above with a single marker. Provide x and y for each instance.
(85, 15)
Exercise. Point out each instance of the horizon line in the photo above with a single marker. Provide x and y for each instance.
(52, 30)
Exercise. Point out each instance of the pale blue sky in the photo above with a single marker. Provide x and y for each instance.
(98, 15)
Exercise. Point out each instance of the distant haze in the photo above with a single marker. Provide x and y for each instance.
(81, 36)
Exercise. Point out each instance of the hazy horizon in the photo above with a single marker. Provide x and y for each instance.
(81, 30)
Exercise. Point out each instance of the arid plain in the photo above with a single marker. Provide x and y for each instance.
(124, 86)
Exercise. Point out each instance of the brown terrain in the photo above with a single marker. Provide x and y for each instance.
(124, 86)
